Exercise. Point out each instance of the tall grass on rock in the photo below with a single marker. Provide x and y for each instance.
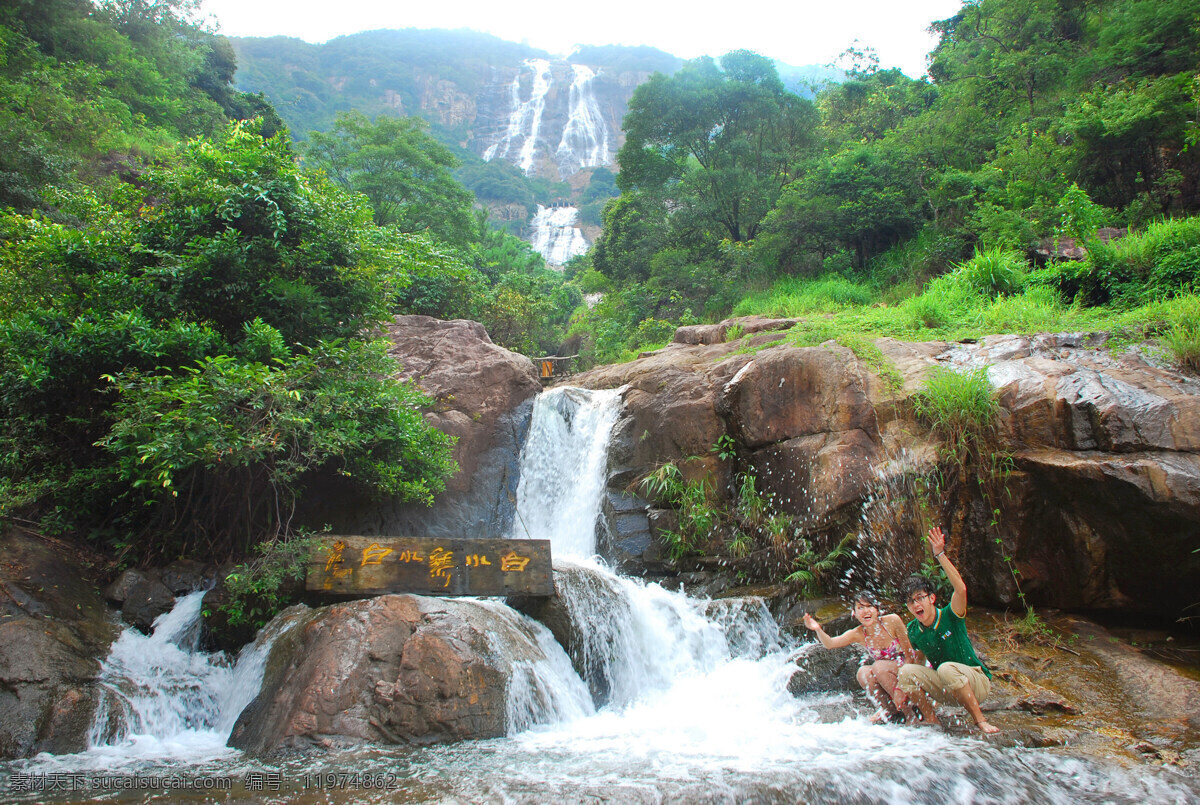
(961, 408)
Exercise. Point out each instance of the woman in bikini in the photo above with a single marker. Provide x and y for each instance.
(886, 640)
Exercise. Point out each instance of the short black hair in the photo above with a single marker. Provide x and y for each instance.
(917, 583)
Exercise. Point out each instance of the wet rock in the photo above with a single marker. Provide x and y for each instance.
(186, 576)
(53, 628)
(822, 670)
(392, 669)
(145, 601)
(483, 395)
(625, 537)
(1099, 512)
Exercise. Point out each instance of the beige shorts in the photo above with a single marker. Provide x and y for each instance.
(940, 684)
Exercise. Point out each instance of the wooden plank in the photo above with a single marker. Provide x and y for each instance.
(354, 565)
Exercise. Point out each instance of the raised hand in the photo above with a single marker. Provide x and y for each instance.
(937, 540)
(811, 622)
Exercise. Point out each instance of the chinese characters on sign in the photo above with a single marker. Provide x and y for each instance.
(368, 565)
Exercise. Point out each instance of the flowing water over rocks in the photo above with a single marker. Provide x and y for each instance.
(689, 700)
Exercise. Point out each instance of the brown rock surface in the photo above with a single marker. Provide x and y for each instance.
(1100, 512)
(397, 668)
(53, 628)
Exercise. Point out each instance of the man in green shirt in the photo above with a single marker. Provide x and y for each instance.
(957, 675)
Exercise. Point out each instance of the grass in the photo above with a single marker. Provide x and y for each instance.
(798, 296)
(1153, 291)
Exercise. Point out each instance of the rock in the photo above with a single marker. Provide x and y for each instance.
(786, 393)
(625, 539)
(53, 627)
(397, 668)
(823, 670)
(483, 395)
(1099, 512)
(119, 590)
(820, 479)
(186, 576)
(700, 334)
(146, 600)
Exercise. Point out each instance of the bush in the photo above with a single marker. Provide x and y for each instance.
(176, 360)
(994, 271)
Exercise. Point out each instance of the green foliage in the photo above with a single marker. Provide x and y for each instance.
(1182, 340)
(814, 570)
(257, 590)
(404, 172)
(993, 271)
(224, 300)
(89, 88)
(725, 448)
(797, 296)
(960, 408)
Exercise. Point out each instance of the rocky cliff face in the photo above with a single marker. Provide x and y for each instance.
(553, 118)
(1100, 511)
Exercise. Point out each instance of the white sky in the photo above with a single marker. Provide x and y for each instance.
(797, 32)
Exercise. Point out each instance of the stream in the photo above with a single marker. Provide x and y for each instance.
(682, 700)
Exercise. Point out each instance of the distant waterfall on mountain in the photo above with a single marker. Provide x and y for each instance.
(585, 138)
(539, 109)
(555, 234)
(520, 139)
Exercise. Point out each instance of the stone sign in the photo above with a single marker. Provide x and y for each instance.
(351, 565)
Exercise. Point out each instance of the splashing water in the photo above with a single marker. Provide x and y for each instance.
(663, 698)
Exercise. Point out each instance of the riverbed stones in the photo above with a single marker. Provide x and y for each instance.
(54, 628)
(391, 669)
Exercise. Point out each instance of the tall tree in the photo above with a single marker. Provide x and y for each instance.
(720, 140)
(404, 172)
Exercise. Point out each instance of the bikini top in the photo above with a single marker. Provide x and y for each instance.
(892, 652)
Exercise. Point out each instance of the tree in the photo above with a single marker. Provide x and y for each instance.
(178, 359)
(403, 172)
(721, 140)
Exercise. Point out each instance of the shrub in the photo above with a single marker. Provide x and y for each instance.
(994, 271)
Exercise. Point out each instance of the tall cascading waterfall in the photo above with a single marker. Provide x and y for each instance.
(555, 234)
(519, 142)
(585, 138)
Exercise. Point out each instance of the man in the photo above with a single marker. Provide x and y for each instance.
(957, 674)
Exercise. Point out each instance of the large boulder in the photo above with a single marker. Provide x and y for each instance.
(392, 669)
(54, 627)
(1101, 508)
(483, 395)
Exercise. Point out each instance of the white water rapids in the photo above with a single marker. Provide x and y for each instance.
(681, 700)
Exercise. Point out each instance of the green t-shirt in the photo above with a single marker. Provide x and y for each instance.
(945, 641)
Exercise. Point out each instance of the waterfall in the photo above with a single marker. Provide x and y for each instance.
(556, 235)
(564, 469)
(585, 138)
(163, 697)
(520, 139)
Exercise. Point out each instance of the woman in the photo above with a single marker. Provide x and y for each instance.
(886, 640)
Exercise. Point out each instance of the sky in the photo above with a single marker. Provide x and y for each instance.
(799, 32)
